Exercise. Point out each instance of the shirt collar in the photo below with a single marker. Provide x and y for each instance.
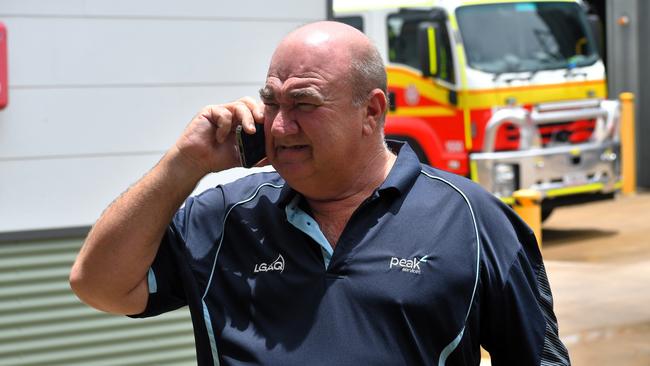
(286, 195)
(399, 180)
(405, 170)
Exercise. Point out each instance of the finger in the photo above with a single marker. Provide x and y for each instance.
(256, 106)
(221, 118)
(242, 114)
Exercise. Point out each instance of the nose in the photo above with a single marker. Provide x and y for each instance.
(283, 124)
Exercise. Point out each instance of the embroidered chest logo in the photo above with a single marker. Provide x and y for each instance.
(408, 265)
(276, 265)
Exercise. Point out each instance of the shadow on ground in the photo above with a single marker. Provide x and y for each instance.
(554, 236)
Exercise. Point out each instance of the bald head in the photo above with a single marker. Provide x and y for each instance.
(356, 57)
(318, 33)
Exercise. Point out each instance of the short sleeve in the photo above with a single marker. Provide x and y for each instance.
(519, 325)
(186, 247)
(164, 277)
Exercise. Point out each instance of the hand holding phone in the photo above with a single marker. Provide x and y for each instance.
(252, 148)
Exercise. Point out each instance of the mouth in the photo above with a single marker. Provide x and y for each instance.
(292, 153)
(291, 147)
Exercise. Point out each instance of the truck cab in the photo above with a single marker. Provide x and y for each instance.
(509, 93)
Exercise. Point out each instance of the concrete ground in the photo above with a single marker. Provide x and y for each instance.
(598, 261)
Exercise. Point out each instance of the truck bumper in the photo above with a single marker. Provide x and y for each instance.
(588, 168)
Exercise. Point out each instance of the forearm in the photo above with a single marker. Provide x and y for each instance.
(110, 271)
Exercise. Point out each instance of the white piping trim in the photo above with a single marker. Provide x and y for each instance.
(454, 343)
(213, 342)
(223, 224)
(206, 312)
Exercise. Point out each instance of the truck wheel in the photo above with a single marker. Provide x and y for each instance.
(413, 144)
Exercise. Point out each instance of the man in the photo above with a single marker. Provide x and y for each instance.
(348, 255)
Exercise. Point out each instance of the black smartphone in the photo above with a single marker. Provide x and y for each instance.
(252, 148)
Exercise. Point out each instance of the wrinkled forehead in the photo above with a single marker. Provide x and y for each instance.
(297, 87)
(287, 74)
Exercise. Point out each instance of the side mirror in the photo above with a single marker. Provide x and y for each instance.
(428, 36)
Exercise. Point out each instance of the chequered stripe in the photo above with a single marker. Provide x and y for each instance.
(554, 352)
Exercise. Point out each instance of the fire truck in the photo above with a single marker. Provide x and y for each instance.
(509, 93)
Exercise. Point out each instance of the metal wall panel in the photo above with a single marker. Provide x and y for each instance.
(45, 205)
(100, 89)
(82, 52)
(43, 323)
(206, 9)
(627, 71)
(643, 99)
(622, 47)
(97, 117)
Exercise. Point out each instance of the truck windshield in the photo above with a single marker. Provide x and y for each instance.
(513, 37)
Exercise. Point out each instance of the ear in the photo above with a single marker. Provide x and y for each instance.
(375, 110)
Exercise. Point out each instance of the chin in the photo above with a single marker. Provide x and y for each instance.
(294, 173)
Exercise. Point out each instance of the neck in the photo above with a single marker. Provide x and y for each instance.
(332, 213)
(359, 185)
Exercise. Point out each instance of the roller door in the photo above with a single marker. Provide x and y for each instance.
(43, 323)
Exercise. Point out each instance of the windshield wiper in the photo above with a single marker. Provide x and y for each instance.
(532, 74)
(529, 77)
(512, 63)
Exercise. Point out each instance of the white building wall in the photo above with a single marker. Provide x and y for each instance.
(98, 90)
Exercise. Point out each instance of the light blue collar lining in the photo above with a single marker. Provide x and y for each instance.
(305, 223)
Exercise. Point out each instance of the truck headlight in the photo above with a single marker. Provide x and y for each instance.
(505, 179)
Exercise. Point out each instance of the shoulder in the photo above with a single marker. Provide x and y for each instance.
(473, 194)
(256, 184)
(215, 201)
(500, 229)
(213, 204)
(240, 189)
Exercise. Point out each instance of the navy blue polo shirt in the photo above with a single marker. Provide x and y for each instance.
(428, 268)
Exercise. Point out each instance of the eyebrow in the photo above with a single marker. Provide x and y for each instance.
(267, 93)
(304, 93)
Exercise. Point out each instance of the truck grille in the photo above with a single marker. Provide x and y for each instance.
(552, 134)
(564, 133)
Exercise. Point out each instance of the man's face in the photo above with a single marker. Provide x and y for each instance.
(313, 130)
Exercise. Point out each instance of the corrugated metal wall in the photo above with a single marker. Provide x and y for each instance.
(43, 323)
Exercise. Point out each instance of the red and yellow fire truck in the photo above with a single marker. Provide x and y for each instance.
(509, 93)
